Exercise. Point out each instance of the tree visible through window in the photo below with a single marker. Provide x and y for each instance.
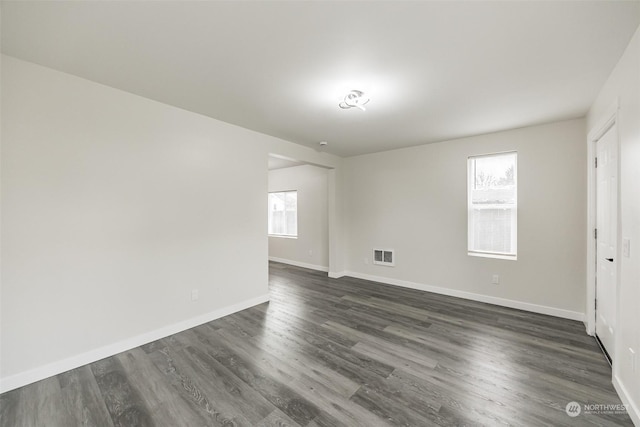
(283, 213)
(492, 205)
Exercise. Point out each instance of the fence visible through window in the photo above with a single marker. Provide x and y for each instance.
(493, 205)
(283, 213)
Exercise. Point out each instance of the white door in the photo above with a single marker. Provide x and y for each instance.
(606, 224)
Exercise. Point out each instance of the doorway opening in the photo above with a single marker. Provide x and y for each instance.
(298, 213)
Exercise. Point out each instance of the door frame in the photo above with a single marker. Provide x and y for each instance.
(607, 121)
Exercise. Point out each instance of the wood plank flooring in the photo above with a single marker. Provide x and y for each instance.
(338, 352)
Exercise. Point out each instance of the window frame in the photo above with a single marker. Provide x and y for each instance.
(471, 179)
(269, 223)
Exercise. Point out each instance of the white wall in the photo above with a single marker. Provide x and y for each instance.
(414, 200)
(114, 207)
(623, 86)
(337, 222)
(311, 247)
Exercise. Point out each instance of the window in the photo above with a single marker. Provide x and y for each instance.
(493, 205)
(283, 213)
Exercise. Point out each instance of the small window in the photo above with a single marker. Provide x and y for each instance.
(493, 205)
(283, 214)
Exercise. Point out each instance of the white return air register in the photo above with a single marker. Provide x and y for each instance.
(384, 257)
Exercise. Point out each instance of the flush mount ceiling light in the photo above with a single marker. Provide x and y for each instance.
(355, 98)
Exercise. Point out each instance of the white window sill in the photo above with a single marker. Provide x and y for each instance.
(491, 255)
(283, 236)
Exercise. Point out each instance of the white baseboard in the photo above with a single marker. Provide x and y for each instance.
(535, 308)
(300, 264)
(632, 407)
(55, 368)
(337, 274)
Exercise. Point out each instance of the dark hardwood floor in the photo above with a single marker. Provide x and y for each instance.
(338, 352)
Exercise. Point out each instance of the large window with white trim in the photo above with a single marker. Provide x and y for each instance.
(283, 213)
(493, 205)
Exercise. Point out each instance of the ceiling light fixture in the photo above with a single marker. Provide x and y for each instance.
(355, 98)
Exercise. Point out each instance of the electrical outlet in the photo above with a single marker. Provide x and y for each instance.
(632, 355)
(194, 295)
(496, 279)
(365, 260)
(310, 252)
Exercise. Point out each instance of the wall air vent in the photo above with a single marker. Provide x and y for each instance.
(384, 257)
